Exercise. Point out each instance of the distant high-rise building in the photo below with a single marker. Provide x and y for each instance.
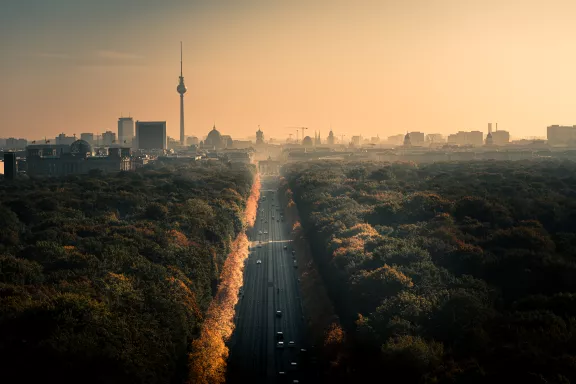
(417, 138)
(151, 134)
(10, 165)
(355, 141)
(108, 138)
(476, 138)
(62, 139)
(181, 89)
(13, 143)
(259, 137)
(467, 138)
(501, 137)
(87, 137)
(561, 135)
(125, 130)
(396, 139)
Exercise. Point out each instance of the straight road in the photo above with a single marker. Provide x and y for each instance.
(270, 285)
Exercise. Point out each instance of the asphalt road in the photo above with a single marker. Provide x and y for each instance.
(268, 287)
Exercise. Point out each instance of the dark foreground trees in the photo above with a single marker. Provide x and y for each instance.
(106, 279)
(446, 273)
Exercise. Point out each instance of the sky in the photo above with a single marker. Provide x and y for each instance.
(370, 67)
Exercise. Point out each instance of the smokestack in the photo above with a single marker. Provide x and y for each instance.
(489, 127)
(496, 127)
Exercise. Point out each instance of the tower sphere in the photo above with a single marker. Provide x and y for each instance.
(181, 88)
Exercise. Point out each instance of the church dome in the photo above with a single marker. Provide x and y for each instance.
(214, 136)
(307, 141)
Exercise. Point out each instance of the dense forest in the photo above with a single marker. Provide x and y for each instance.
(106, 278)
(444, 273)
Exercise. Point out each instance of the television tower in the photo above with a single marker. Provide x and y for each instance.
(181, 89)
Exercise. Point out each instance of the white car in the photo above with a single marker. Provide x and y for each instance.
(265, 232)
(278, 313)
(291, 344)
(280, 344)
(258, 261)
(260, 232)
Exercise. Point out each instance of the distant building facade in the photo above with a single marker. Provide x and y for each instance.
(151, 135)
(62, 139)
(559, 135)
(14, 143)
(87, 137)
(108, 138)
(10, 169)
(475, 138)
(125, 130)
(417, 138)
(501, 137)
(46, 161)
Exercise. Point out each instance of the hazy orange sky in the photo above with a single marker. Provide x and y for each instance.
(370, 67)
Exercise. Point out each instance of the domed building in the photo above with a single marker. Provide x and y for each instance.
(214, 139)
(307, 142)
(80, 148)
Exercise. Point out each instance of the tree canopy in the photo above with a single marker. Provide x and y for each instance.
(445, 273)
(107, 278)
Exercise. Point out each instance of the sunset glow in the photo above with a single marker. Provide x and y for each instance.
(382, 67)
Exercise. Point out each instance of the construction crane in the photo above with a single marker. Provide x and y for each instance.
(297, 128)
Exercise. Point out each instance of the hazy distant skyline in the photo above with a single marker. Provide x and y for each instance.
(371, 67)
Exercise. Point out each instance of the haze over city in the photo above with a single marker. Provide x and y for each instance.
(370, 67)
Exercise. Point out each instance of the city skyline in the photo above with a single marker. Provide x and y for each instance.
(376, 67)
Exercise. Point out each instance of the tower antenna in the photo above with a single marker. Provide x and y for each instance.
(181, 89)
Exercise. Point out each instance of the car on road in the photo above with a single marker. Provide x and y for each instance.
(294, 365)
(280, 344)
(291, 344)
(278, 313)
(259, 232)
(265, 232)
(258, 261)
(293, 252)
(272, 217)
(285, 247)
(279, 336)
(259, 245)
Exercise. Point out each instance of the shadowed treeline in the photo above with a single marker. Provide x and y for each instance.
(444, 273)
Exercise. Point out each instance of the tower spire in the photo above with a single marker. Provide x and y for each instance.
(181, 89)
